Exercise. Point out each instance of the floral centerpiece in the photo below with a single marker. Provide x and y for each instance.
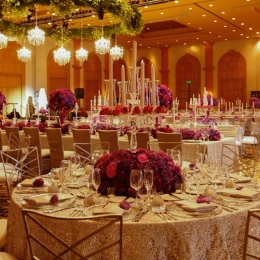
(256, 102)
(44, 111)
(62, 100)
(187, 134)
(214, 135)
(165, 97)
(2, 100)
(115, 170)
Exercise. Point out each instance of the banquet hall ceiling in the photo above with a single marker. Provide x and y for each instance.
(169, 22)
(198, 21)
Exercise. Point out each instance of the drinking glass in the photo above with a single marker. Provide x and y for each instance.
(96, 155)
(176, 156)
(55, 178)
(144, 191)
(65, 171)
(148, 175)
(135, 178)
(96, 179)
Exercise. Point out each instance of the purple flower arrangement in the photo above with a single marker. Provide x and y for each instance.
(62, 100)
(2, 100)
(214, 135)
(187, 134)
(165, 97)
(256, 102)
(115, 170)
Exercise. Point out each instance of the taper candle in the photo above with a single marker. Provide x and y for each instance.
(123, 85)
(142, 85)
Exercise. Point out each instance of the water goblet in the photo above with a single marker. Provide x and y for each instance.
(135, 177)
(144, 191)
(65, 170)
(176, 156)
(55, 179)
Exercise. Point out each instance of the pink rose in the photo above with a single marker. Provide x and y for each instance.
(116, 111)
(142, 158)
(136, 110)
(159, 110)
(105, 111)
(124, 110)
(111, 170)
(54, 198)
(203, 199)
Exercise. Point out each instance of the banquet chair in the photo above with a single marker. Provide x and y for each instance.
(175, 139)
(228, 130)
(81, 135)
(141, 137)
(57, 152)
(86, 150)
(102, 236)
(111, 137)
(14, 138)
(44, 154)
(234, 159)
(252, 237)
(20, 164)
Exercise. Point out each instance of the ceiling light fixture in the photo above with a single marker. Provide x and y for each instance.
(3, 41)
(62, 56)
(36, 36)
(81, 54)
(116, 52)
(24, 54)
(102, 46)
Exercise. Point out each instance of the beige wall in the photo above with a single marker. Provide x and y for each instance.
(36, 70)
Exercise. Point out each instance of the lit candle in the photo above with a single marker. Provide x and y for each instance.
(142, 85)
(110, 82)
(153, 87)
(76, 108)
(123, 85)
(91, 107)
(173, 113)
(186, 107)
(134, 67)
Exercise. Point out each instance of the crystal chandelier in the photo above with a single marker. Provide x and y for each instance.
(3, 41)
(24, 54)
(102, 46)
(36, 36)
(116, 52)
(62, 56)
(81, 54)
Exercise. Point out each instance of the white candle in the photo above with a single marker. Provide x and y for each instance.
(173, 114)
(153, 87)
(123, 85)
(142, 85)
(134, 67)
(38, 109)
(110, 82)
(76, 108)
(246, 108)
(3, 110)
(232, 108)
(26, 112)
(242, 109)
(15, 112)
(186, 107)
(49, 114)
(91, 107)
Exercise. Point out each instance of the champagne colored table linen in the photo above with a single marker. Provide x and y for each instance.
(184, 237)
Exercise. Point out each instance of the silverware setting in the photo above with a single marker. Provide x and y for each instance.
(63, 207)
(138, 217)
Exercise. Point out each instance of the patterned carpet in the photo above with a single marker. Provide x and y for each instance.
(4, 201)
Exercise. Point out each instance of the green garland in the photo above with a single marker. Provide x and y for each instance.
(128, 18)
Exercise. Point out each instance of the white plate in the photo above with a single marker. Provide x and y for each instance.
(128, 215)
(118, 199)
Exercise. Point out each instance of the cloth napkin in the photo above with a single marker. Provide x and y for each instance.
(196, 207)
(29, 183)
(240, 179)
(44, 199)
(244, 193)
(110, 208)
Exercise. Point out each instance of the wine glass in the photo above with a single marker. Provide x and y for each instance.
(135, 178)
(148, 175)
(55, 178)
(144, 191)
(176, 156)
(65, 171)
(96, 179)
(75, 163)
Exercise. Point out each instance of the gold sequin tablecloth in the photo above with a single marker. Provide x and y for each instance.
(184, 238)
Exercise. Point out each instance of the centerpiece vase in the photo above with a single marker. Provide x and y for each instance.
(62, 116)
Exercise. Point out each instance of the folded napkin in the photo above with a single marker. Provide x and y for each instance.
(44, 199)
(243, 193)
(240, 179)
(110, 208)
(193, 206)
(168, 197)
(35, 182)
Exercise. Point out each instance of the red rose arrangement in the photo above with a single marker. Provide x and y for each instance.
(124, 110)
(115, 170)
(187, 134)
(116, 111)
(159, 110)
(214, 135)
(105, 111)
(136, 110)
(148, 109)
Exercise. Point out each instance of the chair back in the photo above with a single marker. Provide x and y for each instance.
(86, 151)
(20, 164)
(99, 237)
(33, 132)
(228, 130)
(173, 140)
(81, 135)
(111, 137)
(54, 138)
(142, 139)
(233, 158)
(13, 137)
(252, 237)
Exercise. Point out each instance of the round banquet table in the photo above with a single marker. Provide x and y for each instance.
(184, 237)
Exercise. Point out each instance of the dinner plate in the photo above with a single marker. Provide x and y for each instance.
(128, 214)
(118, 199)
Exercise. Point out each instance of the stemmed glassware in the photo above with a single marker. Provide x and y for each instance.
(65, 170)
(135, 177)
(75, 164)
(55, 179)
(96, 179)
(176, 156)
(144, 191)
